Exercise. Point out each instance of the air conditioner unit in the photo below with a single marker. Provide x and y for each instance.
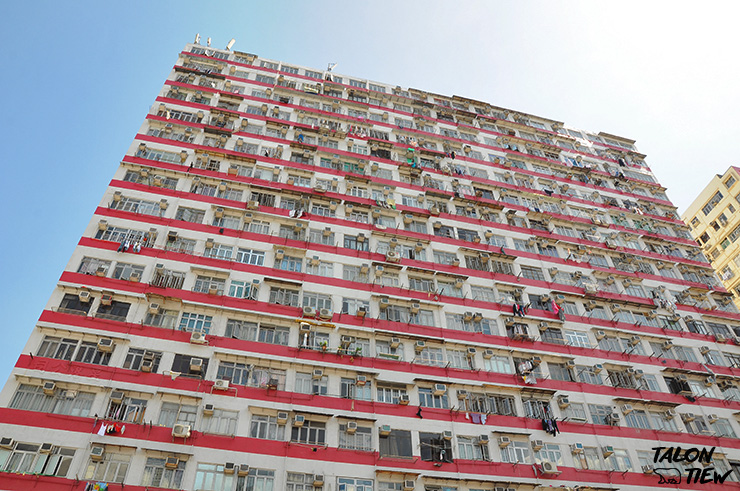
(385, 430)
(351, 427)
(420, 345)
(409, 485)
(543, 326)
(440, 389)
(635, 340)
(309, 311)
(361, 311)
(326, 314)
(415, 308)
(607, 451)
(172, 462)
(570, 364)
(638, 373)
(318, 373)
(154, 308)
(488, 354)
(576, 448)
(563, 402)
(537, 445)
(709, 381)
(536, 360)
(106, 299)
(504, 441)
(597, 368)
(46, 448)
(208, 409)
(667, 345)
(384, 303)
(392, 256)
(221, 384)
(229, 468)
(627, 408)
(600, 335)
(688, 417)
(49, 388)
(360, 238)
(243, 470)
(318, 480)
(549, 467)
(282, 418)
(198, 338)
(69, 394)
(647, 469)
(101, 271)
(299, 420)
(117, 396)
(379, 270)
(97, 452)
(105, 345)
(279, 254)
(196, 364)
(361, 381)
(395, 342)
(712, 418)
(181, 431)
(471, 352)
(704, 350)
(669, 414)
(404, 400)
(147, 365)
(483, 440)
(720, 338)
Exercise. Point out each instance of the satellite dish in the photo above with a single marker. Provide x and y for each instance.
(231, 43)
(331, 66)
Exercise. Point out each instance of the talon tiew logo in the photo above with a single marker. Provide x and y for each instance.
(673, 475)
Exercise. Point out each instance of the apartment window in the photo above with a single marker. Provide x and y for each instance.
(560, 371)
(299, 482)
(350, 390)
(71, 304)
(312, 432)
(284, 296)
(351, 242)
(174, 413)
(428, 399)
(112, 468)
(212, 477)
(352, 305)
(434, 448)
(305, 383)
(577, 338)
(290, 263)
(532, 273)
(131, 410)
(115, 311)
(136, 356)
(221, 422)
(25, 458)
(723, 428)
(260, 480)
(317, 301)
(588, 459)
(236, 373)
(33, 398)
(390, 393)
(714, 201)
(469, 449)
(266, 428)
(157, 474)
(619, 461)
(397, 444)
(90, 265)
(637, 418)
(88, 352)
(586, 375)
(362, 438)
(163, 318)
(549, 452)
(536, 408)
(515, 452)
(192, 322)
(441, 257)
(190, 215)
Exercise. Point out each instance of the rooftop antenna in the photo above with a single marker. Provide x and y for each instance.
(197, 38)
(231, 43)
(209, 42)
(331, 66)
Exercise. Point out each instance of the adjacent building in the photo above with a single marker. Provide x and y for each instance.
(303, 280)
(715, 225)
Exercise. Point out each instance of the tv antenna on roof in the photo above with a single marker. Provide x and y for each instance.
(209, 42)
(331, 66)
(231, 43)
(197, 38)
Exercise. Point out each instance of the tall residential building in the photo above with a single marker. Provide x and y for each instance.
(300, 280)
(715, 224)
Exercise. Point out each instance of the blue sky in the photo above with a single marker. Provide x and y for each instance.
(79, 77)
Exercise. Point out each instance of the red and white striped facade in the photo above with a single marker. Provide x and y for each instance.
(298, 279)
